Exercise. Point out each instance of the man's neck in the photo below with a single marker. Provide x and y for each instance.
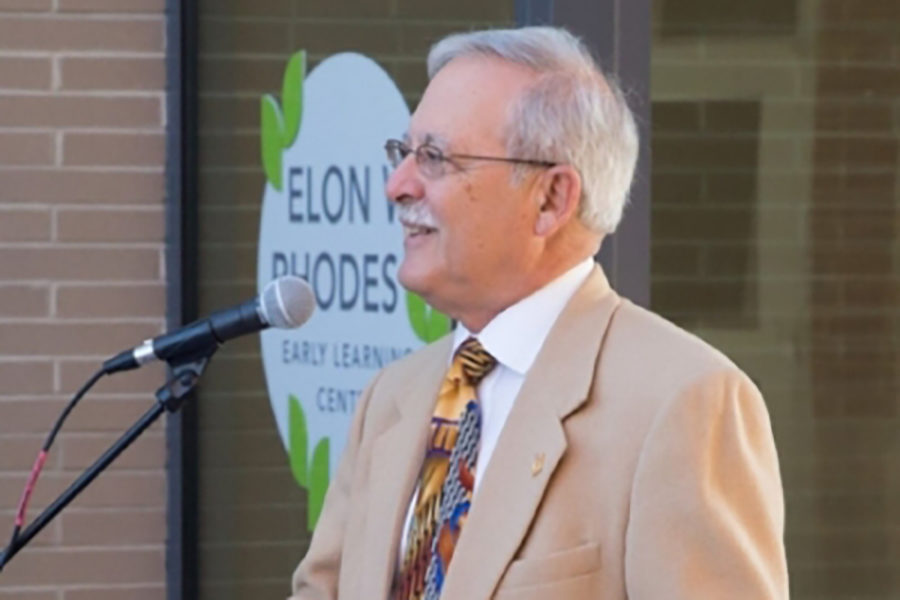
(476, 320)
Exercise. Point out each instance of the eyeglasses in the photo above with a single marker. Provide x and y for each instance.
(432, 161)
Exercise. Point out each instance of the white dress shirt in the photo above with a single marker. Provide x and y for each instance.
(514, 337)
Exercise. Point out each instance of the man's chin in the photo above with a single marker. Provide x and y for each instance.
(418, 280)
(412, 280)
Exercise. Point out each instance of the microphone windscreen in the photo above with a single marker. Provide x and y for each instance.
(287, 302)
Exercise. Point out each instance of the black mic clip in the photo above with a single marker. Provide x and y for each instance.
(186, 374)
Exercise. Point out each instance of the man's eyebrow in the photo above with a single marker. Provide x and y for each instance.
(436, 140)
(432, 139)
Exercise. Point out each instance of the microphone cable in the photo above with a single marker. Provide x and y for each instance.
(41, 459)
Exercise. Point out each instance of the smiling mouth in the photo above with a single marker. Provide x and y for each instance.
(412, 231)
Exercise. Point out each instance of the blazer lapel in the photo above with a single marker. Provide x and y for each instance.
(397, 455)
(531, 443)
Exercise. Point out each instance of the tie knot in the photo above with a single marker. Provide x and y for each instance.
(475, 360)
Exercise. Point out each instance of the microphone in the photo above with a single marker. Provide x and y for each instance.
(285, 303)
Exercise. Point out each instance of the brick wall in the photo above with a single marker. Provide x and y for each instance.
(82, 137)
(806, 295)
(855, 301)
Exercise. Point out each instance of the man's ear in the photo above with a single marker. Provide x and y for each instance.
(560, 191)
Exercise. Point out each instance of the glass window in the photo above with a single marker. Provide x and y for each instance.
(776, 204)
(253, 527)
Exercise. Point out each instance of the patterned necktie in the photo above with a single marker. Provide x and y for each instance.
(447, 480)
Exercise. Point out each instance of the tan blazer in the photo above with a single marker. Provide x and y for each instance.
(637, 462)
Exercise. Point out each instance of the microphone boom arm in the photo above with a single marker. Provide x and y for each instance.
(170, 397)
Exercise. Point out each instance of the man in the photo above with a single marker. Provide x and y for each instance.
(562, 442)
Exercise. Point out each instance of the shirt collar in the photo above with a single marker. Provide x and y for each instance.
(515, 336)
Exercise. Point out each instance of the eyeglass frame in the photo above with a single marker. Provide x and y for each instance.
(392, 145)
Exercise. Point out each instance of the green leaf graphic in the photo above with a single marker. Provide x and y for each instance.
(298, 441)
(318, 482)
(271, 142)
(415, 309)
(438, 324)
(292, 97)
(427, 323)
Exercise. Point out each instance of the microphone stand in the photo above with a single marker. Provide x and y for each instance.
(170, 397)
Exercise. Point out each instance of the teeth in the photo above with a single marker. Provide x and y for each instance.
(411, 229)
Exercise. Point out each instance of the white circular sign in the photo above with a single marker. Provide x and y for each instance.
(331, 224)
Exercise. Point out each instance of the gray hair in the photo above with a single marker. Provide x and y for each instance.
(574, 114)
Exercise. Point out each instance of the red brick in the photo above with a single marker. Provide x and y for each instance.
(860, 260)
(114, 149)
(224, 262)
(243, 412)
(109, 226)
(877, 293)
(113, 489)
(143, 382)
(252, 36)
(55, 34)
(59, 186)
(675, 260)
(852, 151)
(154, 591)
(468, 10)
(21, 377)
(243, 448)
(79, 264)
(257, 8)
(727, 224)
(50, 566)
(96, 414)
(79, 451)
(225, 187)
(853, 116)
(226, 225)
(849, 324)
(225, 112)
(871, 401)
(827, 293)
(25, 73)
(872, 46)
(79, 111)
(61, 339)
(26, 6)
(232, 75)
(27, 149)
(131, 300)
(18, 453)
(251, 523)
(710, 154)
(24, 301)
(100, 527)
(331, 37)
(24, 225)
(113, 6)
(108, 73)
(858, 81)
(229, 150)
(844, 11)
(20, 594)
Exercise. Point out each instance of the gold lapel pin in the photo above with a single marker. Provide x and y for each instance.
(538, 464)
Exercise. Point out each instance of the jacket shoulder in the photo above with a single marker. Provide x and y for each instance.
(651, 351)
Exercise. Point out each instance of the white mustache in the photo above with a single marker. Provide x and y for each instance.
(417, 214)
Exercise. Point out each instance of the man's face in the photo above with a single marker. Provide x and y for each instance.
(468, 233)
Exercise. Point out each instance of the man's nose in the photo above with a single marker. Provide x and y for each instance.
(405, 182)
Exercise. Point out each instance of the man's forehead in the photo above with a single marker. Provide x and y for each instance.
(468, 103)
